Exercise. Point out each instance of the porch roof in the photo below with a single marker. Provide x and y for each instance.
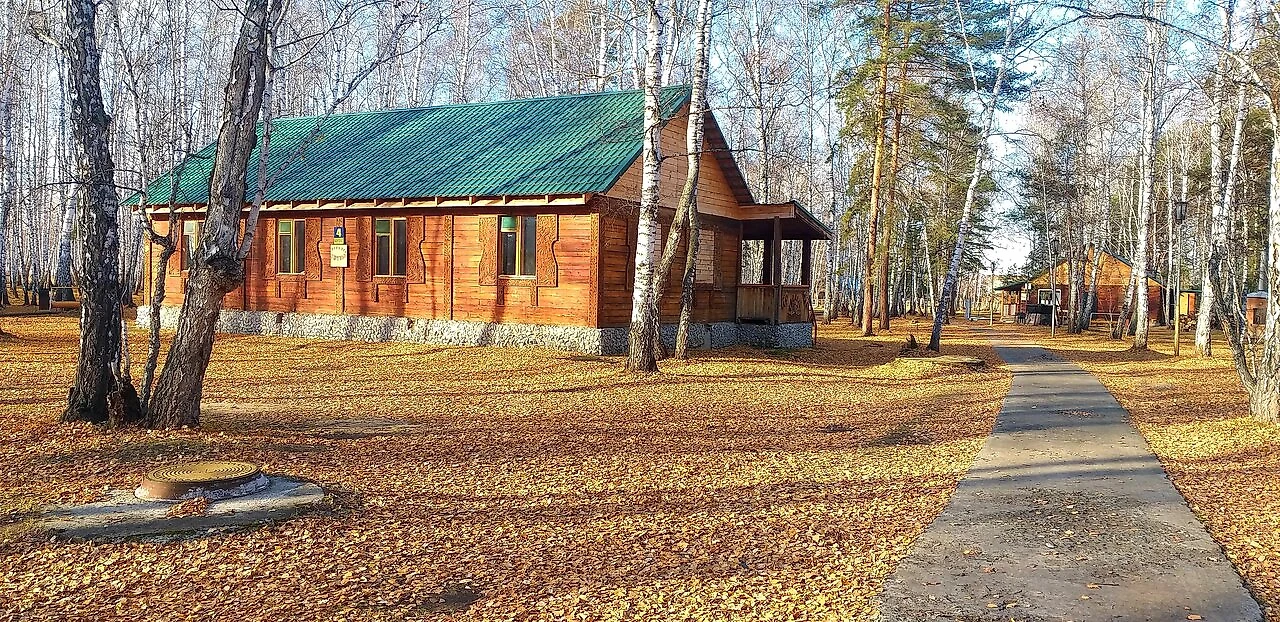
(795, 222)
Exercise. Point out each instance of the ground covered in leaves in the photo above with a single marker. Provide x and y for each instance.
(500, 484)
(1194, 414)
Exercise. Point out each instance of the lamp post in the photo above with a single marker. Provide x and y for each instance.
(1179, 215)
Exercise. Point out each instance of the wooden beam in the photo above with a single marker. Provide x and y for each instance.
(398, 203)
(777, 268)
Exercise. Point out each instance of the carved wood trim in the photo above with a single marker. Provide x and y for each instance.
(175, 260)
(548, 269)
(593, 309)
(362, 248)
(633, 232)
(717, 269)
(416, 263)
(269, 249)
(314, 260)
(488, 239)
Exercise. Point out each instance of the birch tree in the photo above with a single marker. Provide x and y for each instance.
(689, 196)
(1152, 92)
(98, 393)
(644, 301)
(979, 163)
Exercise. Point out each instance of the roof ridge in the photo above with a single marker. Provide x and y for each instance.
(496, 102)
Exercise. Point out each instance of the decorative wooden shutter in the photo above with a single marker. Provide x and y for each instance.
(175, 260)
(314, 260)
(488, 239)
(633, 231)
(718, 242)
(363, 248)
(548, 233)
(267, 229)
(416, 268)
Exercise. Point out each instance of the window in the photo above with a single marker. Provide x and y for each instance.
(1259, 316)
(190, 239)
(290, 242)
(517, 246)
(1049, 297)
(391, 237)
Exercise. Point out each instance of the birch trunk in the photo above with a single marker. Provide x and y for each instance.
(217, 267)
(1204, 315)
(979, 161)
(693, 142)
(1151, 108)
(644, 301)
(97, 394)
(9, 189)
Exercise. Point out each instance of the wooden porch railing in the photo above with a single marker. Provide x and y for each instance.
(755, 303)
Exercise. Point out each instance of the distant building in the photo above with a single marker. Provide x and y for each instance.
(1255, 312)
(1025, 300)
(507, 223)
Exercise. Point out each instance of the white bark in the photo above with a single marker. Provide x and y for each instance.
(644, 303)
(1152, 97)
(979, 169)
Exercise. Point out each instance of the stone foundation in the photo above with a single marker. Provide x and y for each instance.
(603, 341)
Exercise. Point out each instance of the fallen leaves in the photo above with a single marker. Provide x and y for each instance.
(195, 506)
(1194, 416)
(506, 484)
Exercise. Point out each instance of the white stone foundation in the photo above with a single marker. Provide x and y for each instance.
(603, 341)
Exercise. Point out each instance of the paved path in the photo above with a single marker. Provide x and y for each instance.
(1065, 515)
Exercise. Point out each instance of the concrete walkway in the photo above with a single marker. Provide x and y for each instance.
(1065, 515)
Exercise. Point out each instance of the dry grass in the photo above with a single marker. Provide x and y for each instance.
(503, 484)
(1194, 415)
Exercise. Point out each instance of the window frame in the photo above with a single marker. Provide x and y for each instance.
(1057, 297)
(522, 271)
(187, 242)
(297, 254)
(392, 264)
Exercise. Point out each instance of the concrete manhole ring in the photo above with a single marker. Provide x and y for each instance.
(211, 479)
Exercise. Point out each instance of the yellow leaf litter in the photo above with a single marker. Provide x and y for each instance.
(507, 484)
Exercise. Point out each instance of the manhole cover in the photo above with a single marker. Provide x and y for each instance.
(214, 480)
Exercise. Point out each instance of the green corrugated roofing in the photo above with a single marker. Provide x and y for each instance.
(571, 144)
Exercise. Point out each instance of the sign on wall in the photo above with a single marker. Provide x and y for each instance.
(337, 255)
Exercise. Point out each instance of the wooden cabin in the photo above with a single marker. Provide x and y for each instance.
(1023, 300)
(1188, 304)
(504, 223)
(1255, 311)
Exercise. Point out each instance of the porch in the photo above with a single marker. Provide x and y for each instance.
(772, 300)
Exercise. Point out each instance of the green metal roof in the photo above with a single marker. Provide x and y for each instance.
(571, 144)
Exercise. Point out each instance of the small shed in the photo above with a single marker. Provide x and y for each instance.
(1255, 310)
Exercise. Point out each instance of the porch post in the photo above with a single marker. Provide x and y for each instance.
(776, 268)
(806, 263)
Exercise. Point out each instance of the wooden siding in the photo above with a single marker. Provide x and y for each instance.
(713, 302)
(715, 197)
(1110, 299)
(443, 276)
(1113, 272)
(756, 303)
